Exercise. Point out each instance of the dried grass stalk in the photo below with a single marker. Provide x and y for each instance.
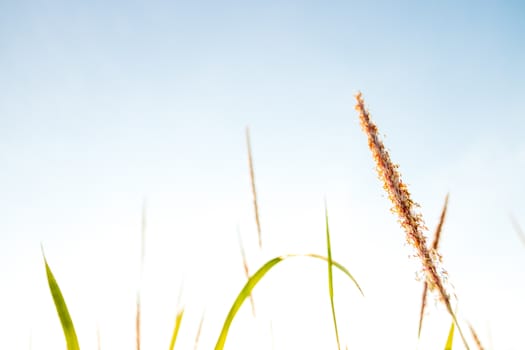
(476, 338)
(254, 191)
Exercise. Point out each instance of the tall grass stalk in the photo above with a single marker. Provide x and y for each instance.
(406, 210)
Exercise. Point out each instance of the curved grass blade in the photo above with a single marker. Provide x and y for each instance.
(252, 282)
(330, 276)
(450, 338)
(62, 310)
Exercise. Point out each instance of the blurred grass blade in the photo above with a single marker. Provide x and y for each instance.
(434, 246)
(422, 311)
(517, 229)
(141, 272)
(475, 336)
(199, 331)
(254, 191)
(246, 268)
(99, 341)
(178, 321)
(62, 311)
(254, 280)
(330, 276)
(450, 339)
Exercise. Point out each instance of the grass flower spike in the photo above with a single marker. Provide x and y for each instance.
(406, 209)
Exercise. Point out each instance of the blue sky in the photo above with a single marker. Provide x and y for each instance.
(103, 104)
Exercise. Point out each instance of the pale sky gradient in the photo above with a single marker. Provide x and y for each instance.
(103, 104)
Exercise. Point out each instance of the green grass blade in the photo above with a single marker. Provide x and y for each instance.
(62, 311)
(254, 280)
(178, 318)
(178, 321)
(330, 277)
(450, 339)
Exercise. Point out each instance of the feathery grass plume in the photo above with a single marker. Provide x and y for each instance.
(475, 336)
(518, 229)
(252, 180)
(246, 268)
(141, 273)
(405, 208)
(434, 247)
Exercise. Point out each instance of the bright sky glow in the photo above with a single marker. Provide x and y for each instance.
(103, 104)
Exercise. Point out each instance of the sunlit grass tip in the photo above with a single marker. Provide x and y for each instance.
(61, 308)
